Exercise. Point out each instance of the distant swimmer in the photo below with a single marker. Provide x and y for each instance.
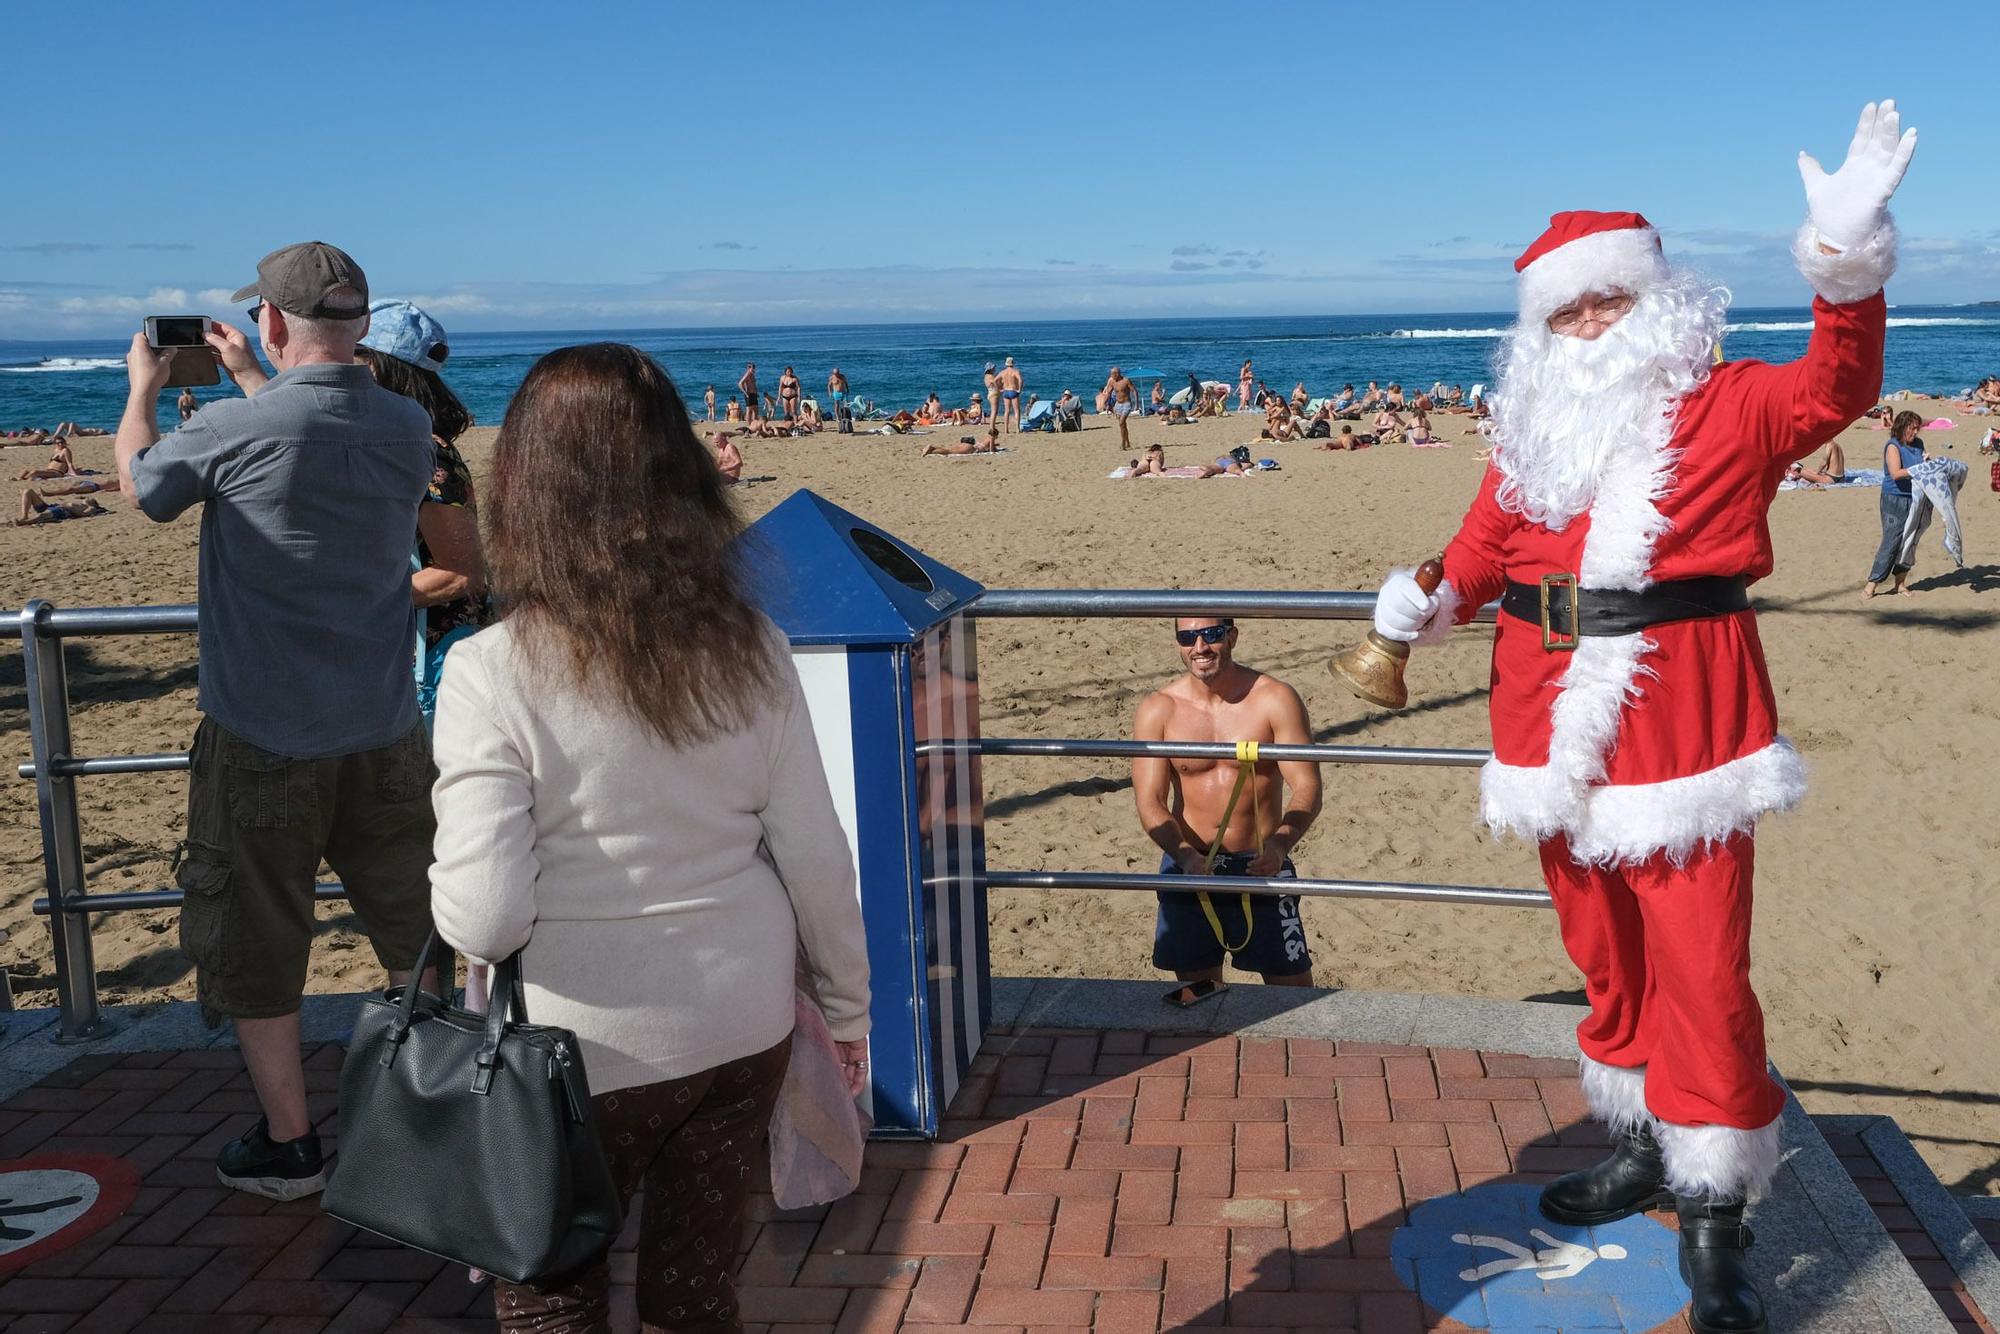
(1207, 819)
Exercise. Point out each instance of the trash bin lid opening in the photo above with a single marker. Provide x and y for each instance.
(891, 559)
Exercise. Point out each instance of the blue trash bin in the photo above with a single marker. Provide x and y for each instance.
(890, 665)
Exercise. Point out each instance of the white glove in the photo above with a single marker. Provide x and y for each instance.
(1849, 205)
(1402, 608)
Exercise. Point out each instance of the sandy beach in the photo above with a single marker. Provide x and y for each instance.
(1875, 928)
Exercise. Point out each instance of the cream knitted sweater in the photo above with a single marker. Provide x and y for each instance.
(662, 894)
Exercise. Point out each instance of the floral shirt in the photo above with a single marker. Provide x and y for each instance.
(451, 484)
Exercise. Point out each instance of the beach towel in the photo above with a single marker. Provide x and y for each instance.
(982, 454)
(1040, 417)
(1432, 443)
(1855, 477)
(1190, 471)
(1934, 487)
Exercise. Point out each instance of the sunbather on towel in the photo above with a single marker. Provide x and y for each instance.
(967, 445)
(1832, 474)
(35, 508)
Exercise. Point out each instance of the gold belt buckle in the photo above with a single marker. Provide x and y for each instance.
(1554, 638)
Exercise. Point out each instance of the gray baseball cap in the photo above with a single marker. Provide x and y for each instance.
(297, 278)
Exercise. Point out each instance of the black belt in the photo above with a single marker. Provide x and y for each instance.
(1566, 613)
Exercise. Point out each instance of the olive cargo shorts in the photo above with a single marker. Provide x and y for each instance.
(258, 825)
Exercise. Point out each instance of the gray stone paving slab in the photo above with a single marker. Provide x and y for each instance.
(1528, 1028)
(1941, 1215)
(1824, 1256)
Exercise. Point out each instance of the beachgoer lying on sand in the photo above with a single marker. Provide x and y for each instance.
(1984, 398)
(72, 430)
(81, 485)
(1345, 440)
(1154, 461)
(967, 445)
(1834, 471)
(37, 508)
(727, 457)
(30, 437)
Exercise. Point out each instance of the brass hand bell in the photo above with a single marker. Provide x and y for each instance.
(1373, 669)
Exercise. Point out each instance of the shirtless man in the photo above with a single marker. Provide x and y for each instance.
(1123, 398)
(37, 508)
(1181, 803)
(1010, 382)
(843, 418)
(728, 458)
(748, 386)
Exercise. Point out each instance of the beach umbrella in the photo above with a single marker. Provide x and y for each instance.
(1147, 373)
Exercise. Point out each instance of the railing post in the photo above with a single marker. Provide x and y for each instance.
(62, 839)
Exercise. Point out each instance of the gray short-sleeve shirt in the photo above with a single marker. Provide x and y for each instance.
(311, 490)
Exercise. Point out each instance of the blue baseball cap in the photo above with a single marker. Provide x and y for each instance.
(407, 333)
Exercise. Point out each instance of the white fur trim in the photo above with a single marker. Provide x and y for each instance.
(1855, 274)
(1628, 259)
(1443, 619)
(1612, 825)
(1624, 521)
(1535, 802)
(1616, 1093)
(1722, 1163)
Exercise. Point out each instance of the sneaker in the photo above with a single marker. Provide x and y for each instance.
(285, 1171)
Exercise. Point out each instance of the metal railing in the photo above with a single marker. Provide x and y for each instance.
(43, 628)
(1054, 603)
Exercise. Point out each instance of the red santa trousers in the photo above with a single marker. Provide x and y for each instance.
(1675, 1035)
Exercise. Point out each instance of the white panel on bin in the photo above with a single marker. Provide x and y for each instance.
(823, 673)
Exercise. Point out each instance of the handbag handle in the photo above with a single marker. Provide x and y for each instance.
(508, 1001)
(509, 997)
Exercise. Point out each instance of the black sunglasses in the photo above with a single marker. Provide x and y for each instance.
(256, 312)
(1207, 634)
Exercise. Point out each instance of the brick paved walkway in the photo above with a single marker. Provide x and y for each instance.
(1113, 1181)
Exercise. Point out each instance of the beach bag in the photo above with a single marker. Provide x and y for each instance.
(470, 1136)
(1996, 474)
(817, 1133)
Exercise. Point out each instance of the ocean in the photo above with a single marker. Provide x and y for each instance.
(1934, 350)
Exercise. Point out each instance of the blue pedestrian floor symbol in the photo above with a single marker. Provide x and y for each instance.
(1489, 1259)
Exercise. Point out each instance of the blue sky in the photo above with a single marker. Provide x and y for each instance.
(594, 165)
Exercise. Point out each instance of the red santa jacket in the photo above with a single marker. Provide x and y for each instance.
(1658, 742)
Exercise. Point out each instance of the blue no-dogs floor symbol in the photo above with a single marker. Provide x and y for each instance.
(1490, 1260)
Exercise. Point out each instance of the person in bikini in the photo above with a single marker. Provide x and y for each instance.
(990, 445)
(1192, 810)
(1832, 474)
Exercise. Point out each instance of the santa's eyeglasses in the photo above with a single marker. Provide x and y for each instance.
(1606, 309)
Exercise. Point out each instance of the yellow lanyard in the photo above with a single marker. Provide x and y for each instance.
(1246, 767)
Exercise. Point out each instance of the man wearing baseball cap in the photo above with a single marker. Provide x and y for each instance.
(309, 744)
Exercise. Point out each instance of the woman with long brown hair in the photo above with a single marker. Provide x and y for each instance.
(629, 787)
(1903, 450)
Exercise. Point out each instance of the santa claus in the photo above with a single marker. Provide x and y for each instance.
(1620, 523)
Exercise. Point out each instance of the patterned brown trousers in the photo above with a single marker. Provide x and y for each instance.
(692, 1145)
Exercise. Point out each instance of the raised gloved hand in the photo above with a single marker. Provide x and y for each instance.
(1402, 607)
(1849, 205)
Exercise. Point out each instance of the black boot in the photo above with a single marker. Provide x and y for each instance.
(1713, 1240)
(1631, 1181)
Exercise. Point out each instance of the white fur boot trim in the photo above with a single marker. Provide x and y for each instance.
(1616, 1093)
(1719, 1162)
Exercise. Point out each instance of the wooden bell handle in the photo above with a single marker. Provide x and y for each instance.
(1430, 574)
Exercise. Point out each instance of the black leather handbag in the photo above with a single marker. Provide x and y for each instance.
(469, 1136)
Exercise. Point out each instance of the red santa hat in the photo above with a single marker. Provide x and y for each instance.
(1583, 251)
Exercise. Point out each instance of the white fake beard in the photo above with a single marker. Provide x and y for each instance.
(1564, 406)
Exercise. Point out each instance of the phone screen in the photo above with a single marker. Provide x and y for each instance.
(178, 331)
